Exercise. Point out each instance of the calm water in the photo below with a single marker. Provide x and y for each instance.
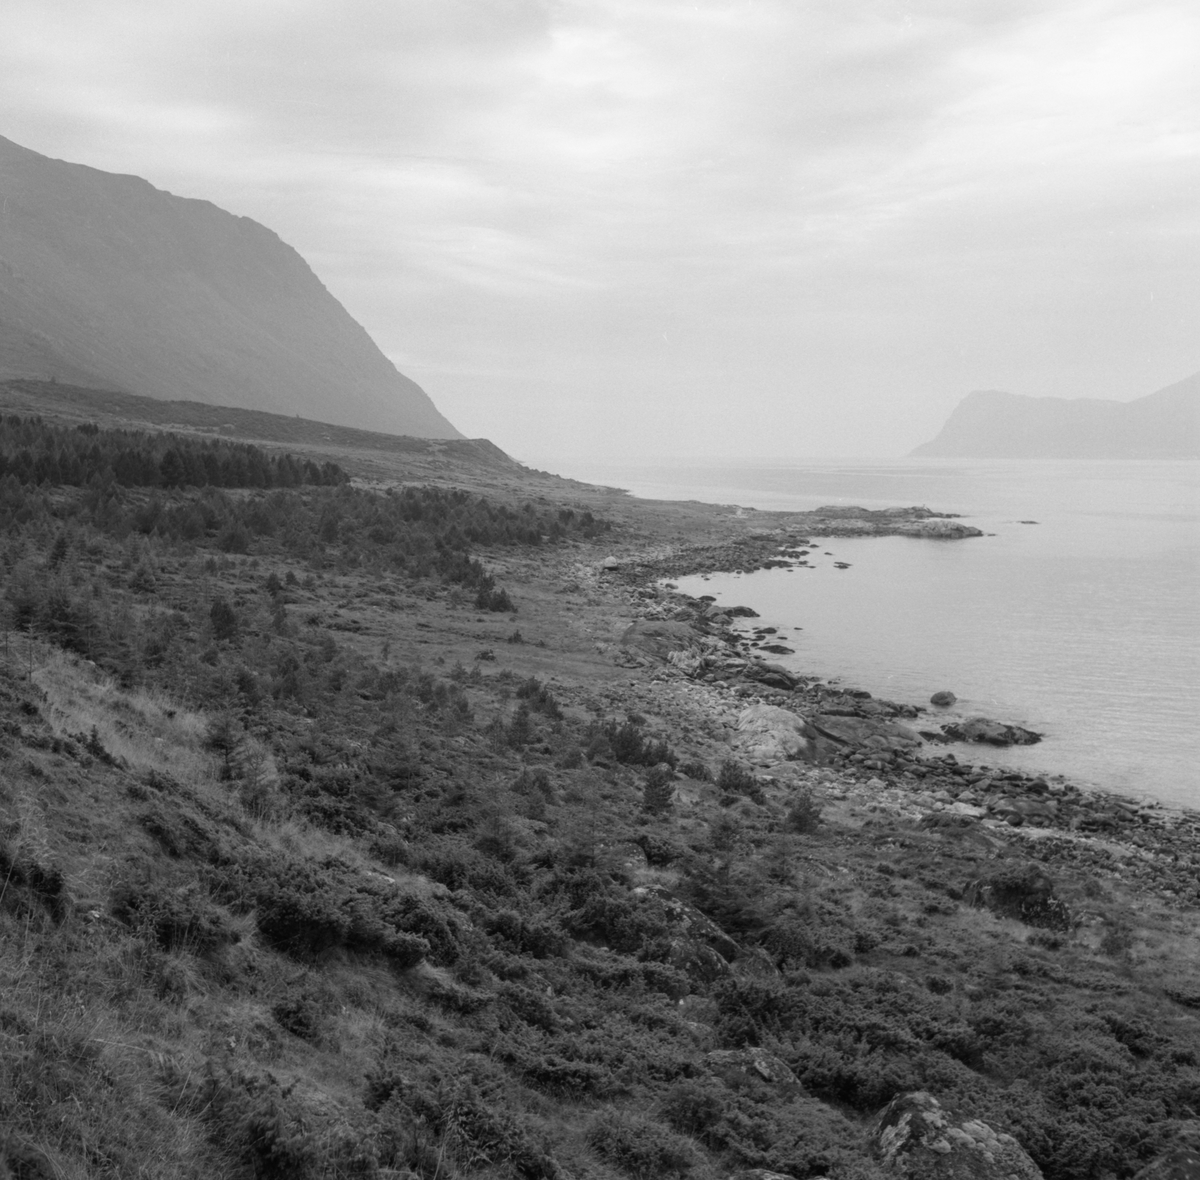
(1085, 625)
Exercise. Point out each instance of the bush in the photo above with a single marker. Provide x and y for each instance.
(303, 909)
(735, 779)
(539, 698)
(628, 744)
(495, 600)
(804, 815)
(639, 1147)
(658, 790)
(173, 917)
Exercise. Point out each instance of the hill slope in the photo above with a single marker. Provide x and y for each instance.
(989, 424)
(106, 280)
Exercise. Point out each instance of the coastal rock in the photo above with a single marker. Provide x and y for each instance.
(944, 699)
(660, 637)
(993, 733)
(771, 675)
(689, 663)
(741, 612)
(773, 734)
(860, 731)
(938, 530)
(916, 1136)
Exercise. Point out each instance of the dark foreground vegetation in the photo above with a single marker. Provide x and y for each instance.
(277, 903)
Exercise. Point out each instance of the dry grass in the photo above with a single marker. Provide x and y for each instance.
(145, 728)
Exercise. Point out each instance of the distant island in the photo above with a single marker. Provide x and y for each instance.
(106, 281)
(990, 424)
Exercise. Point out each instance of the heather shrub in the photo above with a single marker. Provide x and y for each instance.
(642, 1149)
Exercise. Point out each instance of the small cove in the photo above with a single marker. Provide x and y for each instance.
(1083, 626)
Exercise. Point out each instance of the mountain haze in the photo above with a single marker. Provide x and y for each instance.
(989, 424)
(106, 280)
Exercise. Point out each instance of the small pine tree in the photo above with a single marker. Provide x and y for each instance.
(658, 789)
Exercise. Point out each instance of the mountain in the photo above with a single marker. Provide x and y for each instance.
(106, 280)
(989, 424)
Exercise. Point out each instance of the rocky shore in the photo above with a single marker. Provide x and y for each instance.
(880, 753)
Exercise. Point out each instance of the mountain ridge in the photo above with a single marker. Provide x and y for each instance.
(993, 424)
(106, 280)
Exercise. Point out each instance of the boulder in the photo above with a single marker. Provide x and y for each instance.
(689, 663)
(1181, 1161)
(993, 733)
(916, 1136)
(755, 1066)
(858, 731)
(660, 637)
(945, 699)
(610, 563)
(742, 612)
(699, 947)
(772, 734)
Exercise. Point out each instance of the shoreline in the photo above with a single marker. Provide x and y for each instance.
(914, 782)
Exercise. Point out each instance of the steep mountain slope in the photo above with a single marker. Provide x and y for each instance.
(989, 424)
(106, 280)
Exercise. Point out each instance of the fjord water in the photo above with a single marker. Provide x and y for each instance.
(1084, 626)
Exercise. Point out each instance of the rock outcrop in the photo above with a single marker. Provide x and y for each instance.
(992, 733)
(917, 1137)
(770, 734)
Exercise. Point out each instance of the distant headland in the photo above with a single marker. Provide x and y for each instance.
(990, 424)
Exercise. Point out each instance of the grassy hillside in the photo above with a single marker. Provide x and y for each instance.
(340, 838)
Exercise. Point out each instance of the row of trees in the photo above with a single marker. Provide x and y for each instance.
(35, 452)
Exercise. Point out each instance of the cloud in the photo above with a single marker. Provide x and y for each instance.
(586, 222)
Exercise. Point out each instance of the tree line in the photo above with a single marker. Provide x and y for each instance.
(35, 452)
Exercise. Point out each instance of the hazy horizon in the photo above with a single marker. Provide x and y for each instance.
(599, 231)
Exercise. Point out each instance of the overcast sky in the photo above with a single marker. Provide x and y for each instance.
(614, 229)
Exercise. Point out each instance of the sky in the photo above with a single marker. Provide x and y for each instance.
(608, 230)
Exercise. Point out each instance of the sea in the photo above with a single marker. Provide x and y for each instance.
(1077, 614)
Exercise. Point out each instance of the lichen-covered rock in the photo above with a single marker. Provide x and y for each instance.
(660, 637)
(753, 1065)
(771, 734)
(699, 947)
(1181, 1161)
(916, 1136)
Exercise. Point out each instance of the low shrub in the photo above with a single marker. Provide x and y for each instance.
(639, 1147)
(173, 917)
(735, 779)
(804, 815)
